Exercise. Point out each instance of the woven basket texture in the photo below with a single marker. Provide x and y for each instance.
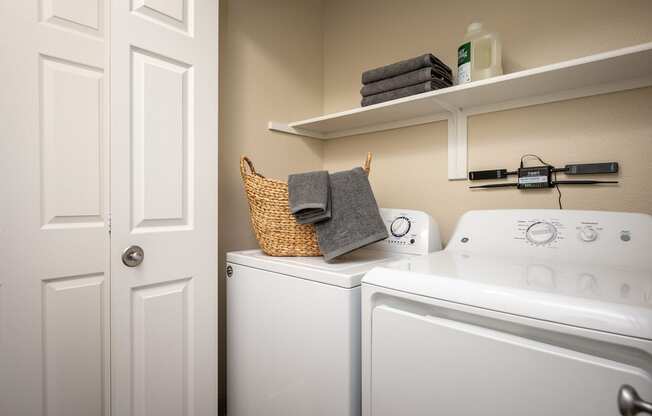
(276, 229)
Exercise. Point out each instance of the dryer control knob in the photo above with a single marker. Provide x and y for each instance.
(588, 234)
(541, 232)
(400, 226)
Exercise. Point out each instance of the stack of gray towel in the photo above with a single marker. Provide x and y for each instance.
(401, 79)
(342, 207)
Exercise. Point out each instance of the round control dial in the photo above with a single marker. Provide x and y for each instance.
(400, 226)
(540, 233)
(588, 234)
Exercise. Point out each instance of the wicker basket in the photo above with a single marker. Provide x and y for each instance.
(276, 229)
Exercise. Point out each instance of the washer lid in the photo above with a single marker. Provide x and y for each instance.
(609, 299)
(345, 271)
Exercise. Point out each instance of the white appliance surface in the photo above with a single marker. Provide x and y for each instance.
(534, 312)
(293, 323)
(603, 284)
(293, 345)
(410, 233)
(346, 271)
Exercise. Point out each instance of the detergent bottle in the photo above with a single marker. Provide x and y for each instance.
(480, 56)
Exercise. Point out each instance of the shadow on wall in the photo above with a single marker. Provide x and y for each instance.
(270, 68)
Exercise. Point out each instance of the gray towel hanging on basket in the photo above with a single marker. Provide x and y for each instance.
(355, 219)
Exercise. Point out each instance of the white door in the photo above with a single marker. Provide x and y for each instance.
(53, 208)
(425, 361)
(164, 199)
(55, 253)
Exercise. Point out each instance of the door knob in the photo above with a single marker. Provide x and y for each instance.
(133, 256)
(630, 403)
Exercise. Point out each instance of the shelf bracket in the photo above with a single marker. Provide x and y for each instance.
(286, 128)
(457, 146)
(457, 142)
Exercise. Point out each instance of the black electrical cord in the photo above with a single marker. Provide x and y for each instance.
(558, 191)
(554, 172)
(534, 156)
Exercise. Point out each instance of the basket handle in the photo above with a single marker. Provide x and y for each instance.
(244, 163)
(367, 163)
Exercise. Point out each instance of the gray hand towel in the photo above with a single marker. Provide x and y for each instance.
(309, 196)
(402, 67)
(405, 80)
(403, 92)
(355, 221)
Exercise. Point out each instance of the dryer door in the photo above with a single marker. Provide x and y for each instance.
(430, 360)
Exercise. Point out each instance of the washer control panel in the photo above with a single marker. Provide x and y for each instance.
(400, 226)
(410, 232)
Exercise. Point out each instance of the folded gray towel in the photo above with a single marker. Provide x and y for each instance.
(403, 92)
(405, 80)
(356, 221)
(309, 196)
(402, 67)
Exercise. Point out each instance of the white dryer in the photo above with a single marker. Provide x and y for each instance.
(293, 323)
(526, 312)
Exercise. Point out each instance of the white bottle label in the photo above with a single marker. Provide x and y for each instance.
(464, 63)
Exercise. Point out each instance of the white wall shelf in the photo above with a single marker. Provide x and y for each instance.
(616, 70)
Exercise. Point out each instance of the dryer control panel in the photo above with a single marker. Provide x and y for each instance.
(410, 232)
(550, 232)
(592, 236)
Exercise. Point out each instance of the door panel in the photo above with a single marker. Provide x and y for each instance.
(162, 165)
(53, 218)
(173, 14)
(71, 126)
(85, 16)
(78, 300)
(164, 199)
(424, 365)
(162, 312)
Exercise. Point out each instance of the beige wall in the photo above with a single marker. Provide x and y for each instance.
(410, 170)
(292, 59)
(270, 68)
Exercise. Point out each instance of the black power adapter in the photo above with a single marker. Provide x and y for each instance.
(591, 168)
(534, 177)
(572, 169)
(479, 175)
(540, 177)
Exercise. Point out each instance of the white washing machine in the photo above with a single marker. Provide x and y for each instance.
(293, 323)
(526, 312)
